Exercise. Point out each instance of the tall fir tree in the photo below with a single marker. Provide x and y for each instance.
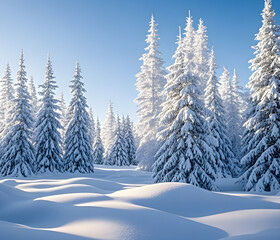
(130, 143)
(185, 155)
(201, 55)
(6, 98)
(118, 155)
(150, 83)
(262, 161)
(63, 115)
(92, 125)
(231, 118)
(108, 131)
(34, 98)
(18, 153)
(216, 118)
(48, 153)
(98, 149)
(78, 154)
(240, 107)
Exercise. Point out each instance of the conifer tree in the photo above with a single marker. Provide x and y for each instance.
(6, 98)
(98, 149)
(34, 98)
(18, 152)
(150, 83)
(129, 139)
(48, 153)
(239, 109)
(201, 55)
(231, 118)
(262, 161)
(118, 155)
(216, 118)
(63, 116)
(92, 125)
(108, 131)
(185, 154)
(78, 154)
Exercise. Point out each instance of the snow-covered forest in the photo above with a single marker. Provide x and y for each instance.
(193, 126)
(200, 139)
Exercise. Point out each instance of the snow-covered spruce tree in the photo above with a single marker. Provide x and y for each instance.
(63, 116)
(216, 119)
(129, 138)
(78, 154)
(231, 119)
(262, 162)
(92, 125)
(98, 149)
(48, 153)
(240, 107)
(201, 56)
(6, 99)
(185, 155)
(118, 155)
(150, 83)
(108, 131)
(18, 152)
(34, 98)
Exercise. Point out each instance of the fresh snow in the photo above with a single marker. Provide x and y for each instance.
(123, 203)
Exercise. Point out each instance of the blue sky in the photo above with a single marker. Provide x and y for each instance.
(108, 38)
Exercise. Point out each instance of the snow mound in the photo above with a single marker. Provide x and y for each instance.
(107, 205)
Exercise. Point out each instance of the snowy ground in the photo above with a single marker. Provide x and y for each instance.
(120, 203)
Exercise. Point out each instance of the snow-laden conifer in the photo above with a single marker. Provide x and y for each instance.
(78, 154)
(216, 119)
(98, 149)
(262, 162)
(129, 139)
(185, 155)
(92, 125)
(6, 99)
(18, 152)
(231, 118)
(150, 83)
(108, 130)
(118, 155)
(63, 115)
(34, 98)
(48, 153)
(201, 56)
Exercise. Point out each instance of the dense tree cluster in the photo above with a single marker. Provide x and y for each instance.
(207, 128)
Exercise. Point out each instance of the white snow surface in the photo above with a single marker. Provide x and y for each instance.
(123, 203)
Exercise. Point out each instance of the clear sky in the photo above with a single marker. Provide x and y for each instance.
(108, 38)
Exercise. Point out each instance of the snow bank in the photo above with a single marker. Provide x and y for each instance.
(118, 203)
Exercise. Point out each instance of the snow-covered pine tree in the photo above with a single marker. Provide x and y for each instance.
(48, 153)
(92, 125)
(129, 138)
(201, 56)
(34, 98)
(18, 152)
(63, 115)
(6, 99)
(98, 149)
(185, 155)
(231, 119)
(78, 154)
(240, 107)
(108, 131)
(216, 119)
(118, 155)
(262, 162)
(150, 83)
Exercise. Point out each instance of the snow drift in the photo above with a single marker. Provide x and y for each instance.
(119, 203)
